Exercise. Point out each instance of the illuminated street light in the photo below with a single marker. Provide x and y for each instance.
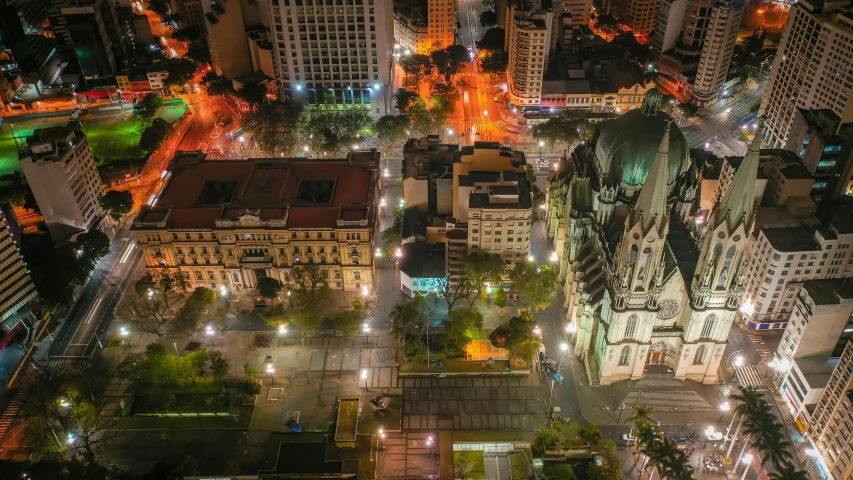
(223, 291)
(71, 439)
(209, 331)
(485, 113)
(530, 258)
(564, 347)
(402, 203)
(364, 377)
(242, 139)
(554, 256)
(282, 330)
(378, 252)
(398, 253)
(738, 361)
(64, 403)
(382, 202)
(543, 207)
(570, 328)
(537, 330)
(271, 370)
(364, 291)
(385, 173)
(365, 328)
(305, 149)
(747, 308)
(450, 131)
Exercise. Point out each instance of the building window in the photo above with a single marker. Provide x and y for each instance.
(699, 359)
(708, 327)
(625, 355)
(631, 327)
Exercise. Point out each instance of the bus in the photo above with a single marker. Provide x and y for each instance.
(234, 133)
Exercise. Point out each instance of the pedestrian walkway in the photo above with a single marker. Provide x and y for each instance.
(65, 367)
(13, 410)
(748, 376)
(497, 466)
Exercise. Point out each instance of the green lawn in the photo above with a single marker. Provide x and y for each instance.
(110, 135)
(478, 467)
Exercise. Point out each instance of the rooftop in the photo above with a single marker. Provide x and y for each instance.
(791, 239)
(796, 172)
(50, 144)
(829, 291)
(288, 193)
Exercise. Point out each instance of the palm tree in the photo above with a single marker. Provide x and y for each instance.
(670, 462)
(787, 472)
(648, 440)
(778, 452)
(642, 416)
(749, 401)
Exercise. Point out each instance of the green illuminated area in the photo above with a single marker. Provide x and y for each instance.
(112, 137)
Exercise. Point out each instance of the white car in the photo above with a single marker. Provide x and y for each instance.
(628, 437)
(715, 436)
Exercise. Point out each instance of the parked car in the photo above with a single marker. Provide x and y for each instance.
(714, 436)
(687, 437)
(628, 437)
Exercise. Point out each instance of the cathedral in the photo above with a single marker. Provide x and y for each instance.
(649, 280)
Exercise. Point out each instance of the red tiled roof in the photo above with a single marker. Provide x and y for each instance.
(269, 185)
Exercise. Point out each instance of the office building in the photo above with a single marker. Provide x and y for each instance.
(614, 86)
(813, 68)
(93, 29)
(191, 12)
(262, 51)
(61, 172)
(528, 44)
(343, 51)
(25, 49)
(226, 224)
(828, 445)
(717, 50)
(226, 37)
(16, 286)
(639, 15)
(578, 9)
(673, 291)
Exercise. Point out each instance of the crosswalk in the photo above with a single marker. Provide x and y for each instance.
(748, 376)
(499, 123)
(12, 411)
(759, 344)
(66, 367)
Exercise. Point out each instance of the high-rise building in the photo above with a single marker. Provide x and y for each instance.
(813, 68)
(578, 9)
(717, 50)
(639, 15)
(191, 12)
(410, 31)
(829, 433)
(226, 37)
(529, 32)
(61, 172)
(226, 224)
(441, 23)
(93, 28)
(669, 25)
(34, 55)
(16, 286)
(342, 51)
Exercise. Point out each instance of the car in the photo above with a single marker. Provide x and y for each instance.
(687, 437)
(728, 110)
(714, 436)
(628, 437)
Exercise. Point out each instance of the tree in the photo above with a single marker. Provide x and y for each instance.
(546, 439)
(516, 336)
(440, 61)
(392, 128)
(91, 246)
(186, 34)
(191, 366)
(276, 126)
(457, 58)
(463, 464)
(495, 62)
(410, 317)
(610, 469)
(349, 321)
(151, 103)
(164, 284)
(117, 203)
(269, 287)
(559, 471)
(218, 365)
(154, 135)
(275, 316)
(404, 100)
(458, 327)
(591, 434)
(160, 7)
(331, 133)
(488, 18)
(688, 110)
(252, 93)
(427, 121)
(222, 317)
(147, 314)
(180, 71)
(445, 96)
(454, 290)
(188, 317)
(310, 292)
(788, 472)
(500, 298)
(217, 85)
(493, 40)
(482, 269)
(533, 284)
(417, 65)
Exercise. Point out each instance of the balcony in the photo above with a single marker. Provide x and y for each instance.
(256, 259)
(668, 331)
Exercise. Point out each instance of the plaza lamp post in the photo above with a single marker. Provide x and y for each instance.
(746, 461)
(429, 444)
(282, 332)
(209, 331)
(541, 144)
(724, 407)
(365, 330)
(364, 377)
(271, 370)
(380, 447)
(125, 335)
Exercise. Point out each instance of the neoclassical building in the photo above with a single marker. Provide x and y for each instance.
(646, 282)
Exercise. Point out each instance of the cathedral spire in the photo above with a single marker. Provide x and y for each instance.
(739, 201)
(651, 203)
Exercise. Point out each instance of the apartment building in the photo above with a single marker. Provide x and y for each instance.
(639, 15)
(780, 260)
(262, 51)
(191, 12)
(610, 87)
(344, 51)
(578, 9)
(441, 23)
(820, 327)
(813, 68)
(717, 50)
(16, 286)
(410, 32)
(492, 203)
(228, 223)
(829, 436)
(94, 30)
(669, 25)
(61, 172)
(529, 38)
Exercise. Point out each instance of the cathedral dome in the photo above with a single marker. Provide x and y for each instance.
(626, 147)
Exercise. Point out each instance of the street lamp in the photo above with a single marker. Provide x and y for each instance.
(724, 407)
(571, 328)
(385, 173)
(209, 331)
(747, 308)
(64, 403)
(282, 330)
(271, 370)
(378, 253)
(530, 258)
(738, 361)
(125, 334)
(564, 347)
(746, 460)
(364, 377)
(554, 257)
(429, 444)
(365, 328)
(364, 292)
(381, 437)
(541, 144)
(71, 439)
(537, 330)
